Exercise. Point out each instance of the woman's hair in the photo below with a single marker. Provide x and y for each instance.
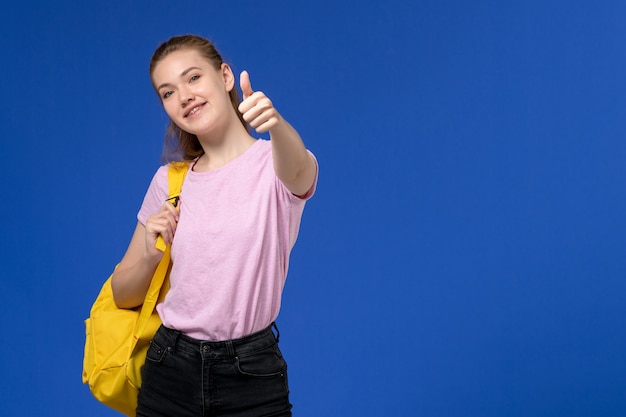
(178, 143)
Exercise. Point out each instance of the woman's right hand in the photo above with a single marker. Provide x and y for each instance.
(162, 223)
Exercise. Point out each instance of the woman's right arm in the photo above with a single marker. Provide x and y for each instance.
(131, 279)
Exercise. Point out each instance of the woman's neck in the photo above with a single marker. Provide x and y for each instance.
(221, 149)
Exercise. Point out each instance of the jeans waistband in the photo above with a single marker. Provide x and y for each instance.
(235, 347)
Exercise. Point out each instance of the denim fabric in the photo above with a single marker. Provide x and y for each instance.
(187, 377)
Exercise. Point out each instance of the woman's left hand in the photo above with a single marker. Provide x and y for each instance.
(256, 108)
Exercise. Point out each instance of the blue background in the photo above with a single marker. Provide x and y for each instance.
(464, 253)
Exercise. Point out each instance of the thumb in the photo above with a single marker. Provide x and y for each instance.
(244, 83)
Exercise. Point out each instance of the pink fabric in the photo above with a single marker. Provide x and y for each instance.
(231, 249)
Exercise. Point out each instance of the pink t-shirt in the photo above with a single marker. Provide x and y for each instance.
(231, 249)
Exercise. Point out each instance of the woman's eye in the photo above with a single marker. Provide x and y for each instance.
(194, 78)
(167, 94)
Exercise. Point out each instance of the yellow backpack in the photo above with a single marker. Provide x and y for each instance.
(117, 340)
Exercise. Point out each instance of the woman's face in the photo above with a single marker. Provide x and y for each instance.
(194, 94)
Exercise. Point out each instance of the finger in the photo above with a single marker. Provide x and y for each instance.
(164, 223)
(156, 236)
(265, 125)
(170, 222)
(168, 207)
(160, 226)
(255, 106)
(244, 83)
(166, 231)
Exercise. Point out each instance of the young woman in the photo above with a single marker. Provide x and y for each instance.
(238, 218)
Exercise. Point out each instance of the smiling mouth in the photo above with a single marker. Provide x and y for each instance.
(194, 110)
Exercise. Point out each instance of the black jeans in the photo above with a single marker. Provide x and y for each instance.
(244, 377)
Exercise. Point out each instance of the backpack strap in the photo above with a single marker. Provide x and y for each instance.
(175, 178)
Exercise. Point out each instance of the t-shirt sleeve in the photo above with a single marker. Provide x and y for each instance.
(155, 196)
(297, 204)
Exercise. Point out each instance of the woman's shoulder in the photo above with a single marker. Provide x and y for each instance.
(161, 172)
(159, 183)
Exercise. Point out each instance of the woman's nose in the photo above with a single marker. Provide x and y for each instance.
(185, 96)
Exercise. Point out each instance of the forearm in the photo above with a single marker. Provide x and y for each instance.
(130, 284)
(131, 279)
(292, 163)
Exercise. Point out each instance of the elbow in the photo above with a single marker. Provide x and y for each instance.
(117, 296)
(120, 296)
(299, 180)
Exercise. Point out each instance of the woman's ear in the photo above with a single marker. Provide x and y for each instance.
(228, 77)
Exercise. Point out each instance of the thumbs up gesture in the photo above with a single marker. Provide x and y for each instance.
(256, 108)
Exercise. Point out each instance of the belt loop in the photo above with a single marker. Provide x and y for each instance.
(277, 335)
(230, 348)
(174, 336)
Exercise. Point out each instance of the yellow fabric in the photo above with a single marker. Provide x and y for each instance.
(117, 339)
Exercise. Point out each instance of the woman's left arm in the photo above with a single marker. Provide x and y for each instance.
(293, 164)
